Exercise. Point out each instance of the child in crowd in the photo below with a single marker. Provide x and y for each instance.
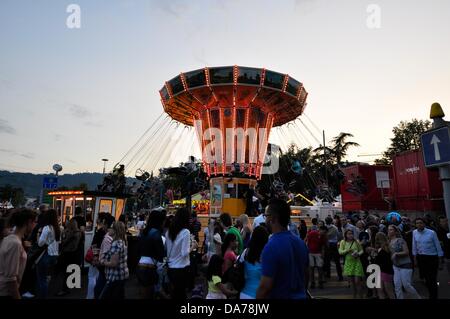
(216, 289)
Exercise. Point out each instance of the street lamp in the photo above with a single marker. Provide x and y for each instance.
(104, 164)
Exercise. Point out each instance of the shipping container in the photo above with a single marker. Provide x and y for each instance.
(366, 187)
(416, 187)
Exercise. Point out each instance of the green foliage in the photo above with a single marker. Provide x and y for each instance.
(14, 194)
(406, 138)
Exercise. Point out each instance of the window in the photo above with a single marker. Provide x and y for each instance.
(119, 207)
(177, 85)
(106, 206)
(221, 75)
(165, 93)
(274, 79)
(249, 76)
(382, 179)
(195, 78)
(292, 86)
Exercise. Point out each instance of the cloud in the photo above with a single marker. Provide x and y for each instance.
(6, 128)
(7, 151)
(93, 124)
(79, 111)
(174, 8)
(14, 153)
(27, 155)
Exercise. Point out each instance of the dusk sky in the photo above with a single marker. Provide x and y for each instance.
(75, 96)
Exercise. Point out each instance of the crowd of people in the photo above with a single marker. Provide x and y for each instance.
(271, 257)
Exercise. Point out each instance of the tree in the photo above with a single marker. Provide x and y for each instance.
(13, 194)
(340, 146)
(18, 198)
(406, 138)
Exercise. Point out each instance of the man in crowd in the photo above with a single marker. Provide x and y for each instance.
(331, 252)
(259, 219)
(347, 224)
(316, 246)
(226, 223)
(284, 259)
(426, 251)
(81, 222)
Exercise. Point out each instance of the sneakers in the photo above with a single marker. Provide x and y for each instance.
(28, 295)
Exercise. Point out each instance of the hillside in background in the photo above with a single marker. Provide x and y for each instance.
(32, 183)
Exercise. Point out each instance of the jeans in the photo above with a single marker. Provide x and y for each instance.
(43, 269)
(114, 290)
(403, 278)
(429, 266)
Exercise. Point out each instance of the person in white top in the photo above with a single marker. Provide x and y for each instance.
(259, 219)
(49, 239)
(178, 247)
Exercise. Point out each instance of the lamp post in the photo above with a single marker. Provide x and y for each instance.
(104, 164)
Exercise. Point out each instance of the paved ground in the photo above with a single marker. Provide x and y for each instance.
(333, 289)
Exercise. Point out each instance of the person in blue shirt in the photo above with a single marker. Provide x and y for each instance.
(284, 260)
(252, 262)
(426, 250)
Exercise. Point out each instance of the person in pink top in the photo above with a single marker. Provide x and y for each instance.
(229, 247)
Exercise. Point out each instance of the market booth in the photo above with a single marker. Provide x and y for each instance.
(92, 203)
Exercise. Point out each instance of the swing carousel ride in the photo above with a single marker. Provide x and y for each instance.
(230, 111)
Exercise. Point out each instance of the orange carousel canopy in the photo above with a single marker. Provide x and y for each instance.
(244, 99)
(190, 93)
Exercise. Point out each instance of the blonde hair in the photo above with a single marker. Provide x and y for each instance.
(245, 221)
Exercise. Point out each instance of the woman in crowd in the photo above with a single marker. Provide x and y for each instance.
(151, 252)
(70, 241)
(252, 262)
(352, 250)
(4, 228)
(49, 237)
(178, 248)
(13, 257)
(383, 259)
(116, 268)
(102, 258)
(94, 272)
(216, 289)
(403, 267)
(216, 245)
(246, 230)
(229, 247)
(303, 229)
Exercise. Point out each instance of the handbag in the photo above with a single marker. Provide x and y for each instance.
(89, 258)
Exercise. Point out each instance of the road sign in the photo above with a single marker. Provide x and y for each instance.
(436, 146)
(50, 183)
